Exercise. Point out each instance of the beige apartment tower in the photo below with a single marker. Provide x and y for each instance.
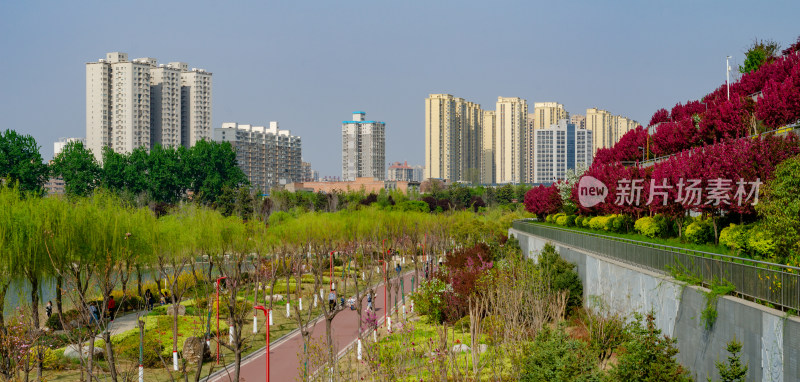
(511, 116)
(606, 128)
(488, 148)
(139, 103)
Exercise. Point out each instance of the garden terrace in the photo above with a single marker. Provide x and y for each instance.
(769, 283)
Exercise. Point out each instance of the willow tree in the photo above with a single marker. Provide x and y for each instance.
(236, 238)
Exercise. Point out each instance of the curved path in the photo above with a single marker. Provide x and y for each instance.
(284, 361)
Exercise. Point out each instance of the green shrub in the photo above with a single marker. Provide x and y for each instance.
(561, 275)
(54, 322)
(608, 223)
(586, 222)
(554, 356)
(734, 237)
(622, 223)
(760, 243)
(650, 227)
(279, 217)
(152, 348)
(429, 300)
(561, 220)
(596, 223)
(648, 355)
(699, 232)
(579, 221)
(413, 205)
(571, 220)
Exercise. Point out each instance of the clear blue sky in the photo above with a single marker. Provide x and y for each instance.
(309, 64)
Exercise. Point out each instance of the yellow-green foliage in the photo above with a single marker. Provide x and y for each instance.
(649, 227)
(734, 236)
(699, 232)
(760, 243)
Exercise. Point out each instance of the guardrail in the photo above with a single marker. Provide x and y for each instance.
(759, 281)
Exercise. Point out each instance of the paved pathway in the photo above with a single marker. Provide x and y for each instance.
(284, 362)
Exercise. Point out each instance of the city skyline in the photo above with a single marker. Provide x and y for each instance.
(295, 69)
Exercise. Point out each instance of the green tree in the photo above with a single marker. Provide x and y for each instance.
(760, 52)
(213, 165)
(505, 194)
(167, 173)
(648, 356)
(554, 356)
(733, 370)
(562, 275)
(780, 210)
(460, 195)
(21, 162)
(78, 167)
(125, 173)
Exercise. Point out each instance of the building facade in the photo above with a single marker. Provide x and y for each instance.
(267, 155)
(59, 145)
(559, 148)
(400, 171)
(489, 147)
(578, 120)
(511, 118)
(453, 138)
(139, 103)
(363, 148)
(606, 128)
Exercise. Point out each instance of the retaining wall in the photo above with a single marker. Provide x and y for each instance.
(770, 338)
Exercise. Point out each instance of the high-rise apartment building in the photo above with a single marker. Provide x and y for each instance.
(546, 114)
(453, 135)
(489, 147)
(418, 174)
(267, 155)
(606, 128)
(195, 105)
(307, 172)
(138, 103)
(363, 148)
(578, 120)
(165, 101)
(559, 148)
(511, 116)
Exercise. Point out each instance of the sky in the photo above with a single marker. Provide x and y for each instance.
(310, 64)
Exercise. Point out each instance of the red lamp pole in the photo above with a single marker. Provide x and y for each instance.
(218, 280)
(266, 318)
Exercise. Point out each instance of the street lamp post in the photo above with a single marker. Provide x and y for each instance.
(218, 281)
(266, 318)
(727, 75)
(331, 274)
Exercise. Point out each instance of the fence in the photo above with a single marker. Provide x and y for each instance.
(775, 284)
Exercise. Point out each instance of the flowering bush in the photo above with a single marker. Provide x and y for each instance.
(699, 232)
(543, 200)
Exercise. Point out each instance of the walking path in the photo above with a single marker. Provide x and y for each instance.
(284, 360)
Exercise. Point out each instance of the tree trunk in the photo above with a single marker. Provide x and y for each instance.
(34, 300)
(139, 281)
(59, 291)
(112, 368)
(3, 290)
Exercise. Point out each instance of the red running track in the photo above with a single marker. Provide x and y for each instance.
(284, 361)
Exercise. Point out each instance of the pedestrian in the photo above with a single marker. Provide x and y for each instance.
(48, 309)
(95, 313)
(111, 305)
(369, 300)
(148, 300)
(398, 268)
(332, 299)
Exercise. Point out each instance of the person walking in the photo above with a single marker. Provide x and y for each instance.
(148, 300)
(399, 269)
(332, 299)
(111, 305)
(48, 309)
(369, 300)
(95, 313)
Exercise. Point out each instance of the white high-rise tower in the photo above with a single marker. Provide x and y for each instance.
(363, 148)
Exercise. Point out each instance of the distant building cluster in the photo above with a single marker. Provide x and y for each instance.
(139, 103)
(405, 172)
(267, 155)
(465, 143)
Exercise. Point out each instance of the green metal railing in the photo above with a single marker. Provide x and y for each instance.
(760, 281)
